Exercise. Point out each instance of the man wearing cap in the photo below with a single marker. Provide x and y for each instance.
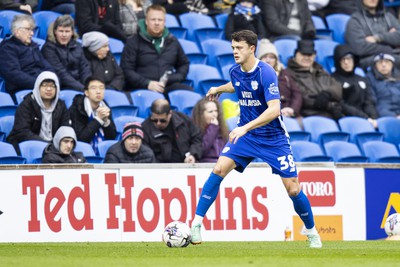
(385, 81)
(130, 149)
(102, 61)
(321, 93)
(172, 136)
(61, 150)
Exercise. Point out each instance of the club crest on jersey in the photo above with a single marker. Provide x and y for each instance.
(273, 89)
(226, 149)
(254, 85)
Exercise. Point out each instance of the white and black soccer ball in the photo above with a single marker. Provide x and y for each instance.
(177, 235)
(392, 225)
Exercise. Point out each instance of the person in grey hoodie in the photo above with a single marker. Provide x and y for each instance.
(61, 150)
(41, 112)
(371, 30)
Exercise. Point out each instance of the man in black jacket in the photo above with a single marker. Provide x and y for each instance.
(171, 135)
(153, 52)
(91, 117)
(130, 149)
(61, 150)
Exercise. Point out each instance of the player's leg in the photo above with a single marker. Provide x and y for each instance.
(209, 193)
(303, 209)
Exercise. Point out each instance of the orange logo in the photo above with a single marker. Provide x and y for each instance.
(330, 227)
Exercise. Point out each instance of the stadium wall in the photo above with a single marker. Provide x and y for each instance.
(50, 203)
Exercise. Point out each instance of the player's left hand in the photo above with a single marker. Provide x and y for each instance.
(236, 133)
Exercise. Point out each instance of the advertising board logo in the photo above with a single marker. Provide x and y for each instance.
(329, 227)
(319, 187)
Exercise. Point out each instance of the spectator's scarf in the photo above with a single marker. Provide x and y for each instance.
(99, 135)
(248, 12)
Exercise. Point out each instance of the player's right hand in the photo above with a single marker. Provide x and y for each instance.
(212, 94)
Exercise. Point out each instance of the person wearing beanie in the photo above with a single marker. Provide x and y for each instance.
(41, 113)
(130, 149)
(101, 16)
(357, 98)
(321, 93)
(102, 61)
(245, 15)
(90, 115)
(153, 58)
(61, 150)
(291, 99)
(385, 82)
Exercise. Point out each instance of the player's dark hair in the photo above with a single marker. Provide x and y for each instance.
(245, 35)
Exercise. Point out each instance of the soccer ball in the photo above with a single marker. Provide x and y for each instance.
(392, 225)
(177, 235)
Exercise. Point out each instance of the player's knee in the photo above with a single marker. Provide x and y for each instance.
(292, 192)
(218, 170)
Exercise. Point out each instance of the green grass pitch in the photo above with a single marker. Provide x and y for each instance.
(208, 254)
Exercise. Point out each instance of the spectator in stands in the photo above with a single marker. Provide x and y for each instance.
(41, 113)
(246, 15)
(172, 135)
(385, 81)
(66, 54)
(321, 93)
(357, 99)
(207, 115)
(316, 6)
(102, 61)
(130, 149)
(291, 99)
(178, 7)
(60, 6)
(61, 150)
(21, 60)
(101, 16)
(154, 52)
(130, 12)
(284, 18)
(25, 6)
(371, 31)
(91, 117)
(341, 7)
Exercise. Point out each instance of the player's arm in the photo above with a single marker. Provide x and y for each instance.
(214, 92)
(272, 112)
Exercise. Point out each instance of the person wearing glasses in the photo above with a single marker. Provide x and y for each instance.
(21, 60)
(172, 135)
(91, 117)
(41, 113)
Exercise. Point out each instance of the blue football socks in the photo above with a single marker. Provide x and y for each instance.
(208, 194)
(303, 208)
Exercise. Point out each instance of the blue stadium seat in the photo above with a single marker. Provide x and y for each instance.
(337, 23)
(43, 20)
(6, 17)
(225, 72)
(221, 20)
(344, 152)
(116, 46)
(121, 121)
(7, 105)
(304, 151)
(232, 122)
(143, 99)
(88, 152)
(324, 130)
(9, 156)
(390, 127)
(200, 27)
(6, 124)
(204, 77)
(32, 150)
(119, 103)
(68, 96)
(382, 152)
(193, 52)
(39, 41)
(322, 31)
(360, 130)
(286, 48)
(183, 100)
(19, 96)
(295, 131)
(104, 146)
(216, 48)
(391, 3)
(172, 23)
(325, 50)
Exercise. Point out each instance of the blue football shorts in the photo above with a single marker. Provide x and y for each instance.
(274, 151)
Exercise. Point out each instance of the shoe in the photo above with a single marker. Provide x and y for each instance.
(315, 241)
(196, 234)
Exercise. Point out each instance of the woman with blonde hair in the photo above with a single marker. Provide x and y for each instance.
(207, 115)
(291, 99)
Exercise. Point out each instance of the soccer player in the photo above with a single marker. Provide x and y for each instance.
(260, 133)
